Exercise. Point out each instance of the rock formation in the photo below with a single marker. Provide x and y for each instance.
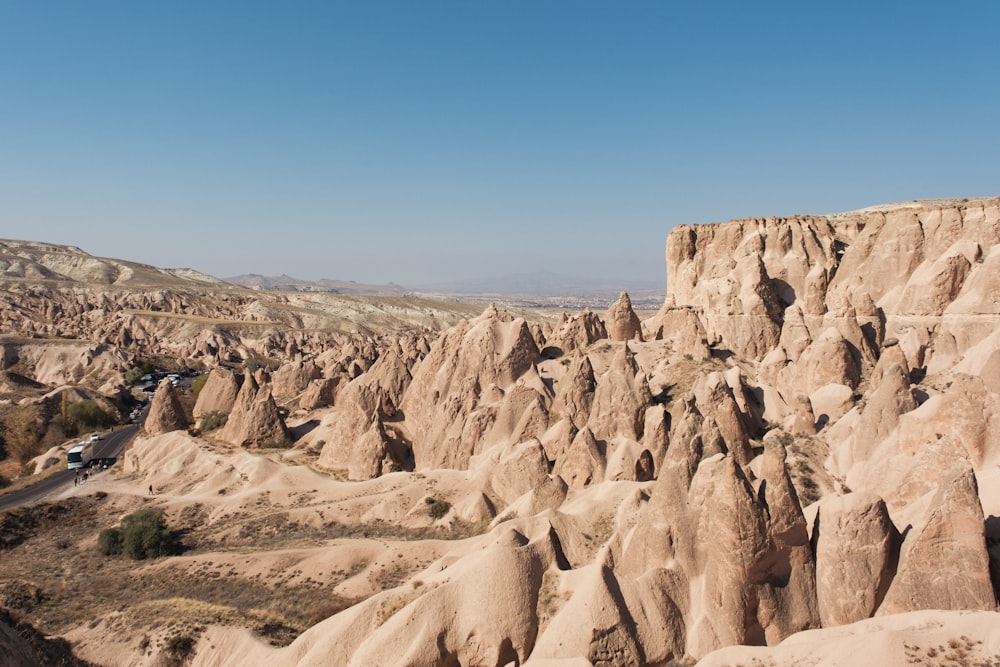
(254, 420)
(621, 321)
(805, 438)
(218, 394)
(165, 411)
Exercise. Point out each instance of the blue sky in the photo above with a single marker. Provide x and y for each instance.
(420, 142)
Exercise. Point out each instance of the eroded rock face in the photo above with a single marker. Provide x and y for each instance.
(577, 332)
(944, 565)
(165, 411)
(644, 498)
(857, 548)
(621, 320)
(254, 420)
(494, 349)
(218, 394)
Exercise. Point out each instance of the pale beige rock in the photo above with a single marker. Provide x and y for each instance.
(621, 321)
(494, 348)
(218, 394)
(577, 332)
(944, 564)
(857, 549)
(519, 471)
(620, 399)
(292, 378)
(576, 392)
(583, 463)
(254, 419)
(924, 637)
(319, 394)
(165, 411)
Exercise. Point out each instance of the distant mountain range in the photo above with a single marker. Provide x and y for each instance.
(537, 284)
(546, 283)
(285, 283)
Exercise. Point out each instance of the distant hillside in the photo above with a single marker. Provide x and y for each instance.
(285, 283)
(35, 262)
(545, 283)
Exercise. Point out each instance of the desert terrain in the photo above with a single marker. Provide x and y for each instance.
(794, 461)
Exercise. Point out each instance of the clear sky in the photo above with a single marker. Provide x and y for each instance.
(423, 141)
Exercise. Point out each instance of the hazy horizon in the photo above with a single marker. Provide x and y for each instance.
(423, 143)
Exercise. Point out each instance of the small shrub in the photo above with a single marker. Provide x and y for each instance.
(142, 535)
(438, 508)
(213, 420)
(109, 542)
(277, 444)
(197, 384)
(178, 649)
(89, 414)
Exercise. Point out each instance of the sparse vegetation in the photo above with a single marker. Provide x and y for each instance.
(197, 385)
(213, 420)
(142, 535)
(438, 508)
(89, 414)
(22, 434)
(178, 649)
(284, 443)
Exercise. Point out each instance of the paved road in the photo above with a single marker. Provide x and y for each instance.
(108, 448)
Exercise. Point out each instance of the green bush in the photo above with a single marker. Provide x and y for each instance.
(132, 376)
(438, 508)
(198, 384)
(109, 542)
(284, 443)
(212, 421)
(89, 414)
(142, 535)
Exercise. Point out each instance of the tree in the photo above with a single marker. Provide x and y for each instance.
(142, 535)
(22, 434)
(89, 414)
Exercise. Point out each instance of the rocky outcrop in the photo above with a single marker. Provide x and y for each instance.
(165, 411)
(620, 399)
(944, 563)
(576, 332)
(444, 399)
(218, 394)
(621, 321)
(254, 420)
(857, 547)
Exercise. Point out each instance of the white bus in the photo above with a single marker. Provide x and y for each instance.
(79, 456)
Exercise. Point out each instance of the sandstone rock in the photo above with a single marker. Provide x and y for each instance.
(576, 392)
(857, 548)
(292, 378)
(254, 420)
(621, 321)
(577, 332)
(165, 411)
(320, 393)
(218, 394)
(583, 463)
(451, 625)
(519, 471)
(621, 399)
(495, 349)
(944, 563)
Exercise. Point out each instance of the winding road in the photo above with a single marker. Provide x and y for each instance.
(108, 448)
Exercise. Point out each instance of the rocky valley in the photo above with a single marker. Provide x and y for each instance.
(795, 460)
